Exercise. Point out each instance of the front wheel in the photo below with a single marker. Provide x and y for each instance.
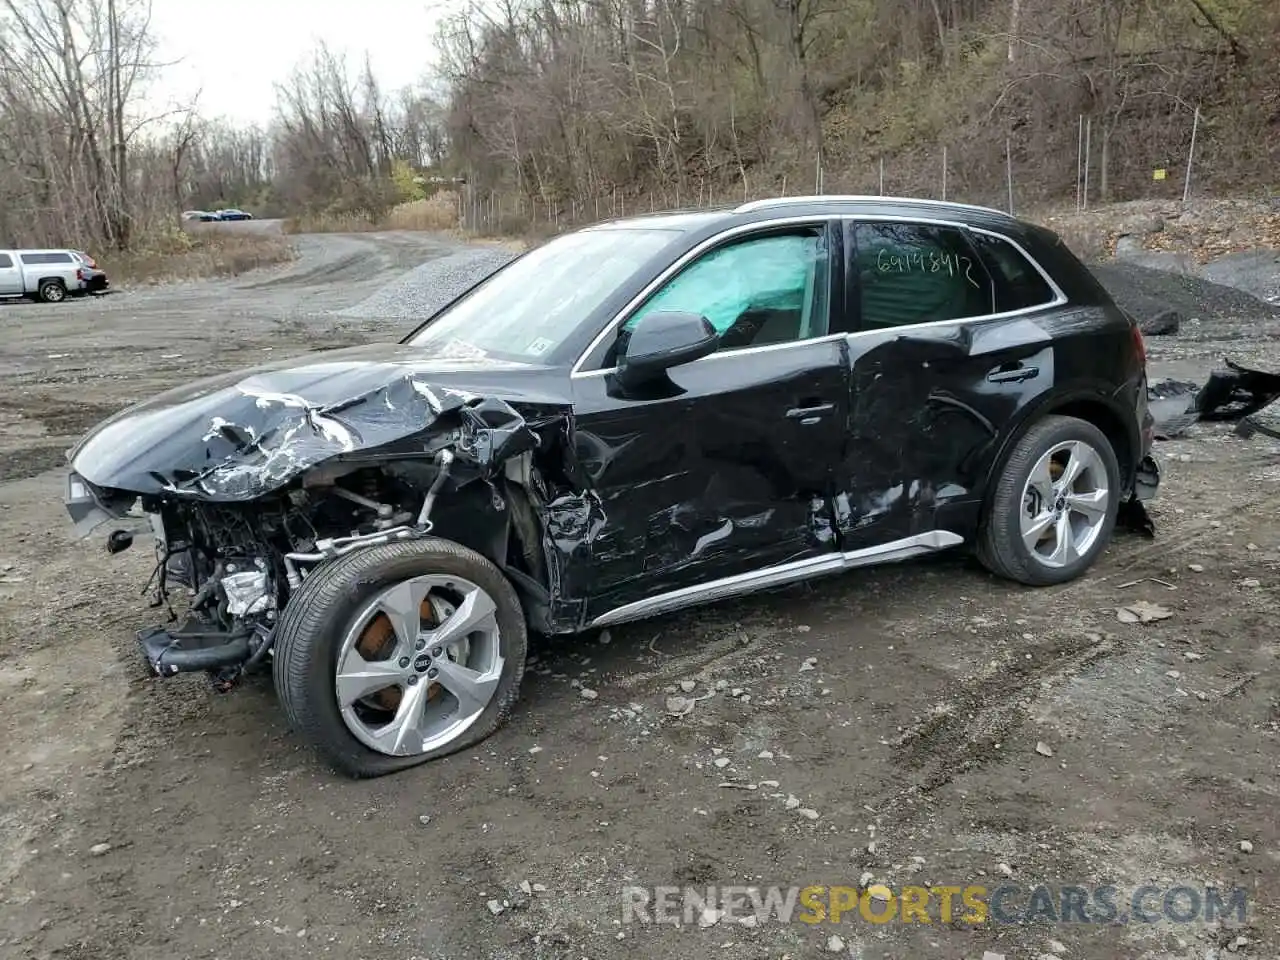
(1054, 506)
(52, 291)
(398, 654)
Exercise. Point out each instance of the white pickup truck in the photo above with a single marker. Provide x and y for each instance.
(49, 275)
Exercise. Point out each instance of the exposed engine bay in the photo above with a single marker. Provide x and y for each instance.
(238, 560)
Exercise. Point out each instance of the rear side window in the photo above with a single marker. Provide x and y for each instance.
(1019, 285)
(5, 260)
(908, 273)
(42, 258)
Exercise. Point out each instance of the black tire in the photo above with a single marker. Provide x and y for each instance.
(52, 291)
(1000, 544)
(314, 621)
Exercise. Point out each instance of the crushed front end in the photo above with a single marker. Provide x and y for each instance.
(238, 562)
(241, 509)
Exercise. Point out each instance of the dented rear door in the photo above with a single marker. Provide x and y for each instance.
(944, 354)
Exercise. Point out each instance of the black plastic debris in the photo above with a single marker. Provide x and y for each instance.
(1237, 393)
(1173, 406)
(1133, 516)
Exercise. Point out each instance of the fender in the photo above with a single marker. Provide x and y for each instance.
(1112, 412)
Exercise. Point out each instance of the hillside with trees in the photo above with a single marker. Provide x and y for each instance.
(559, 111)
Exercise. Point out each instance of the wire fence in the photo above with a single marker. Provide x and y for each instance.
(1102, 162)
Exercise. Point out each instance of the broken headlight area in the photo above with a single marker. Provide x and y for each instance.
(91, 508)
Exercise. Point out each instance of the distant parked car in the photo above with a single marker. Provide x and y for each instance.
(234, 214)
(49, 275)
(203, 216)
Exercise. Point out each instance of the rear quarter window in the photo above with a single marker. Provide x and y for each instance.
(1018, 284)
(5, 260)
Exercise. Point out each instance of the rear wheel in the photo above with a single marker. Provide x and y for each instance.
(1054, 506)
(395, 655)
(52, 291)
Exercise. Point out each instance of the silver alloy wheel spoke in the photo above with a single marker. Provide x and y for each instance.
(1092, 504)
(403, 734)
(1041, 480)
(1062, 519)
(473, 689)
(1033, 532)
(445, 676)
(477, 612)
(358, 677)
(1064, 550)
(403, 606)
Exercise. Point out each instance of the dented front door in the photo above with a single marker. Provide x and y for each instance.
(728, 467)
(729, 476)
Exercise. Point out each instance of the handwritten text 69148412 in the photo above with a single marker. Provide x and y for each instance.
(931, 261)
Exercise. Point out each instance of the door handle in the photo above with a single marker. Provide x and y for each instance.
(810, 414)
(1013, 374)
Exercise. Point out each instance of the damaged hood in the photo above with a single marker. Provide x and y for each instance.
(240, 435)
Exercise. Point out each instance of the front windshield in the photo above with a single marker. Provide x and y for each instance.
(529, 308)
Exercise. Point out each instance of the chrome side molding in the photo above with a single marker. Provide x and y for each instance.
(778, 576)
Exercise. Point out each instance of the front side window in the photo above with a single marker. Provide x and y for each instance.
(529, 308)
(908, 273)
(5, 260)
(755, 292)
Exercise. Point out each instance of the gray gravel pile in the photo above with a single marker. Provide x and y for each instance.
(425, 289)
(1163, 301)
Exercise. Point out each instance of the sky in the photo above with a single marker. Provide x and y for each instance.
(235, 51)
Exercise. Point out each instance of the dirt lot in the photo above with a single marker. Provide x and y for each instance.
(904, 706)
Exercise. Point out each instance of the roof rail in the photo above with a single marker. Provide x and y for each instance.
(782, 201)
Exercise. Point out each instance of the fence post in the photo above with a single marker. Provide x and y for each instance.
(1008, 167)
(1195, 126)
(1088, 135)
(1079, 160)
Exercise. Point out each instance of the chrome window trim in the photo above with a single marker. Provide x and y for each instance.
(1059, 298)
(577, 373)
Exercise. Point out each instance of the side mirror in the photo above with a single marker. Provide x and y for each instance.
(664, 340)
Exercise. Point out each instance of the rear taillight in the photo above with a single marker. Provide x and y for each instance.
(1139, 345)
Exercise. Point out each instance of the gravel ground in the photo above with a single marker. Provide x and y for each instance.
(923, 723)
(422, 291)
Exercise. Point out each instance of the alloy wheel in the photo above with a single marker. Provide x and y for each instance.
(419, 665)
(1064, 503)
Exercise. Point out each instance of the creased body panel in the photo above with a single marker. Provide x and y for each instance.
(717, 472)
(928, 405)
(238, 436)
